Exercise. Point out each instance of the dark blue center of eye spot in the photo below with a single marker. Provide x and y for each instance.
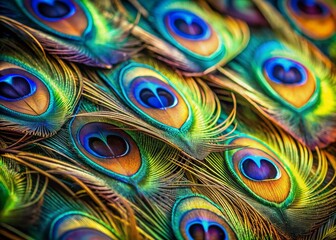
(14, 87)
(53, 10)
(285, 71)
(154, 95)
(259, 168)
(159, 99)
(310, 7)
(206, 230)
(196, 231)
(105, 144)
(84, 234)
(216, 232)
(188, 25)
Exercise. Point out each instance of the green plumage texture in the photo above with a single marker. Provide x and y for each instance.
(173, 119)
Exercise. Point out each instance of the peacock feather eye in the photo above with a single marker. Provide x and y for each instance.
(75, 30)
(284, 77)
(22, 92)
(35, 97)
(292, 84)
(196, 217)
(79, 225)
(182, 110)
(84, 234)
(314, 18)
(285, 71)
(14, 87)
(101, 140)
(150, 92)
(201, 38)
(53, 10)
(106, 148)
(189, 31)
(187, 25)
(311, 8)
(67, 18)
(260, 171)
(206, 230)
(259, 168)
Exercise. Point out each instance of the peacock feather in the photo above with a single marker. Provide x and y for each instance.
(196, 217)
(21, 194)
(200, 38)
(156, 95)
(75, 30)
(181, 119)
(278, 176)
(315, 20)
(289, 82)
(38, 92)
(66, 218)
(127, 161)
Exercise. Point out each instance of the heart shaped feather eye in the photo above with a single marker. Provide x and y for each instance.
(314, 18)
(106, 148)
(84, 234)
(258, 168)
(201, 38)
(152, 94)
(191, 32)
(63, 17)
(201, 230)
(22, 92)
(187, 25)
(290, 80)
(285, 71)
(101, 140)
(35, 98)
(15, 87)
(260, 171)
(55, 10)
(196, 217)
(284, 77)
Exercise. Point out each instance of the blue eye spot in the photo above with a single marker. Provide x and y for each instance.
(206, 230)
(110, 146)
(84, 234)
(154, 95)
(102, 143)
(53, 10)
(259, 168)
(285, 71)
(310, 7)
(14, 87)
(196, 231)
(188, 25)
